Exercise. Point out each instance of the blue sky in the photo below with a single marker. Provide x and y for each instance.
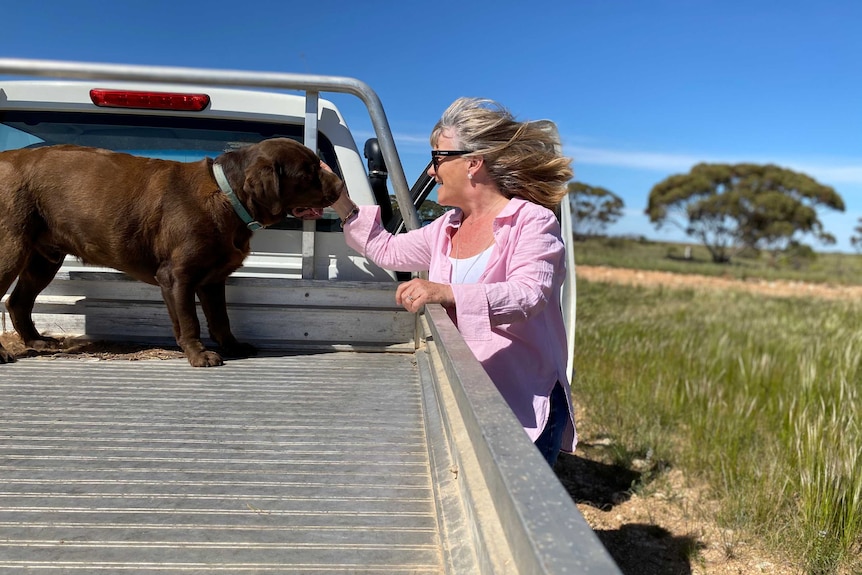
(640, 89)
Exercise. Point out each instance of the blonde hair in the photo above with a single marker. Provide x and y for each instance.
(522, 158)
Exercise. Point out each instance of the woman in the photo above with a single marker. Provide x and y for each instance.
(497, 262)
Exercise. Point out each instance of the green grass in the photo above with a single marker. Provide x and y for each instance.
(761, 397)
(835, 268)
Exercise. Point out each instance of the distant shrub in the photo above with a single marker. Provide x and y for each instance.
(615, 242)
(798, 256)
(748, 253)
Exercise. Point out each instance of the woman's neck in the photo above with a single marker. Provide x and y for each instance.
(483, 213)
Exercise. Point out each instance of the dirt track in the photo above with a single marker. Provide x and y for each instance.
(771, 288)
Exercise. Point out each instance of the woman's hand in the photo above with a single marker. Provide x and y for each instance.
(412, 295)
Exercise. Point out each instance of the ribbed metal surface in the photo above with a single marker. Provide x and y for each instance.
(305, 464)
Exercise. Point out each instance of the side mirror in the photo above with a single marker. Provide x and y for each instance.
(376, 165)
(377, 176)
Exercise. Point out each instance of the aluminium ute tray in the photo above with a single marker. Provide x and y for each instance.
(291, 463)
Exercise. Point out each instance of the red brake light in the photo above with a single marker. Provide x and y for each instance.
(150, 100)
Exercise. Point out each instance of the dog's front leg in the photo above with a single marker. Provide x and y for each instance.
(214, 304)
(180, 300)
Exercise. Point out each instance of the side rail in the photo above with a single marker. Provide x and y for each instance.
(521, 518)
(271, 313)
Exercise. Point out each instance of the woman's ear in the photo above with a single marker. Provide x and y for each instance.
(475, 163)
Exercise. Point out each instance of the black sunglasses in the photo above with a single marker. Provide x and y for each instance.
(437, 154)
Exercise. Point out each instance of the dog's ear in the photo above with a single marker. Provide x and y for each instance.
(262, 185)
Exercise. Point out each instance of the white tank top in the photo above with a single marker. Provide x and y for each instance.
(468, 270)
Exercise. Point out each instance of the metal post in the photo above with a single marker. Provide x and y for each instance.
(309, 226)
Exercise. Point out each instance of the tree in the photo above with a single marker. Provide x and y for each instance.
(731, 207)
(593, 208)
(428, 210)
(856, 238)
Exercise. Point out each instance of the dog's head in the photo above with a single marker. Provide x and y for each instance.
(277, 176)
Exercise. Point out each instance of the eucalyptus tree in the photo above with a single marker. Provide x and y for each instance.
(593, 208)
(729, 207)
(856, 238)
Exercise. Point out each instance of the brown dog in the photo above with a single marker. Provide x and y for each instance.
(162, 222)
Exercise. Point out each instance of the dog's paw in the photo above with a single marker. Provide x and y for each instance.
(6, 357)
(44, 343)
(206, 359)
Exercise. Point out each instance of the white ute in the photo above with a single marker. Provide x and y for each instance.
(322, 455)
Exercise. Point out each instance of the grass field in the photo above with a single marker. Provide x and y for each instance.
(760, 397)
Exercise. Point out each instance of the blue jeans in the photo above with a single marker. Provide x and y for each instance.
(551, 439)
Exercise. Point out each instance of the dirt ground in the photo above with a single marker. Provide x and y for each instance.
(652, 521)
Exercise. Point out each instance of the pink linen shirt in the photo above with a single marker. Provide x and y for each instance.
(511, 319)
